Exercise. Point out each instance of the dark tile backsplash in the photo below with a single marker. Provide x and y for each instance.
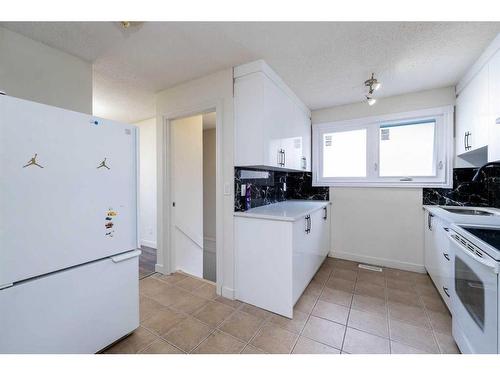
(270, 190)
(484, 193)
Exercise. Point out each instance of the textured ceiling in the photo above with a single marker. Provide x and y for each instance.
(325, 64)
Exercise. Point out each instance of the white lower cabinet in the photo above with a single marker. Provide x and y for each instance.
(276, 259)
(438, 260)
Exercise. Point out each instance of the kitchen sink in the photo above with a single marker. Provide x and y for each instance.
(468, 211)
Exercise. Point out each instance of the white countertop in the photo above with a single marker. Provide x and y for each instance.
(454, 218)
(286, 211)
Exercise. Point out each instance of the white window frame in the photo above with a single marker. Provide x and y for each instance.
(443, 150)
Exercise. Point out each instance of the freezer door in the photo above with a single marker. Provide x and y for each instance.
(69, 189)
(79, 310)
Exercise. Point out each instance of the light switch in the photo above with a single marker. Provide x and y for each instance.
(243, 190)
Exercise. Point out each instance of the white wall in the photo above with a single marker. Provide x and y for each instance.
(381, 226)
(147, 215)
(192, 97)
(34, 71)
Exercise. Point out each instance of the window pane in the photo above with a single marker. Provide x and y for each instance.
(407, 149)
(344, 154)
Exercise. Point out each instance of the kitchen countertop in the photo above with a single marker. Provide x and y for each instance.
(285, 211)
(454, 218)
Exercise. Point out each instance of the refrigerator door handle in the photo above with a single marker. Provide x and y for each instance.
(125, 256)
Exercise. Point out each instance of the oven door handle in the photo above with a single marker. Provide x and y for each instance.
(490, 264)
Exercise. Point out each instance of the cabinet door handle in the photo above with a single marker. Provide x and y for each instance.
(284, 158)
(447, 256)
(308, 225)
(279, 158)
(465, 141)
(429, 220)
(304, 162)
(445, 290)
(326, 213)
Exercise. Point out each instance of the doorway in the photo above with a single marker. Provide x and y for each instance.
(193, 192)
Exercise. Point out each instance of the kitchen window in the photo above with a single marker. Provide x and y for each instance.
(404, 149)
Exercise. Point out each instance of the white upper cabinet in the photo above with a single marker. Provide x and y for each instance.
(494, 98)
(478, 107)
(472, 114)
(272, 126)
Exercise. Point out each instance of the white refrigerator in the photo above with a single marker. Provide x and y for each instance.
(68, 230)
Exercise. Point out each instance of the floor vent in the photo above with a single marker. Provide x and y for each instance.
(371, 268)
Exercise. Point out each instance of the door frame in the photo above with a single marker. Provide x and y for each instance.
(165, 191)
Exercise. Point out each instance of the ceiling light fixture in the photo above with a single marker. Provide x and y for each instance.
(373, 85)
(371, 101)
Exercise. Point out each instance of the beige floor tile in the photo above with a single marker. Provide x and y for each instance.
(340, 284)
(133, 343)
(369, 289)
(326, 267)
(161, 347)
(308, 346)
(241, 325)
(162, 321)
(434, 304)
(172, 278)
(440, 322)
(255, 311)
(207, 291)
(229, 302)
(405, 298)
(391, 273)
(345, 264)
(190, 284)
(147, 307)
(150, 286)
(339, 297)
(422, 279)
(400, 348)
(214, 313)
(189, 303)
(331, 311)
(369, 322)
(414, 336)
(306, 303)
(369, 304)
(321, 276)
(170, 296)
(446, 344)
(294, 325)
(219, 343)
(340, 273)
(273, 339)
(314, 288)
(409, 314)
(404, 286)
(188, 334)
(249, 349)
(358, 342)
(372, 277)
(324, 331)
(427, 290)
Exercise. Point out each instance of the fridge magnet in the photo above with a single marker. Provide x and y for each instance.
(109, 225)
(103, 164)
(108, 218)
(112, 213)
(110, 234)
(33, 162)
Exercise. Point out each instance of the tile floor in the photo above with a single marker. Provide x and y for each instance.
(343, 310)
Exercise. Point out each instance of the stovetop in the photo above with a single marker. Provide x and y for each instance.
(489, 235)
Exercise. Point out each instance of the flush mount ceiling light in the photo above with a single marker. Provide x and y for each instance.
(373, 85)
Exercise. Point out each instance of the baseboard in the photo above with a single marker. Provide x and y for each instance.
(379, 261)
(227, 292)
(159, 268)
(147, 243)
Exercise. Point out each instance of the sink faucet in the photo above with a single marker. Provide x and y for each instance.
(477, 176)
